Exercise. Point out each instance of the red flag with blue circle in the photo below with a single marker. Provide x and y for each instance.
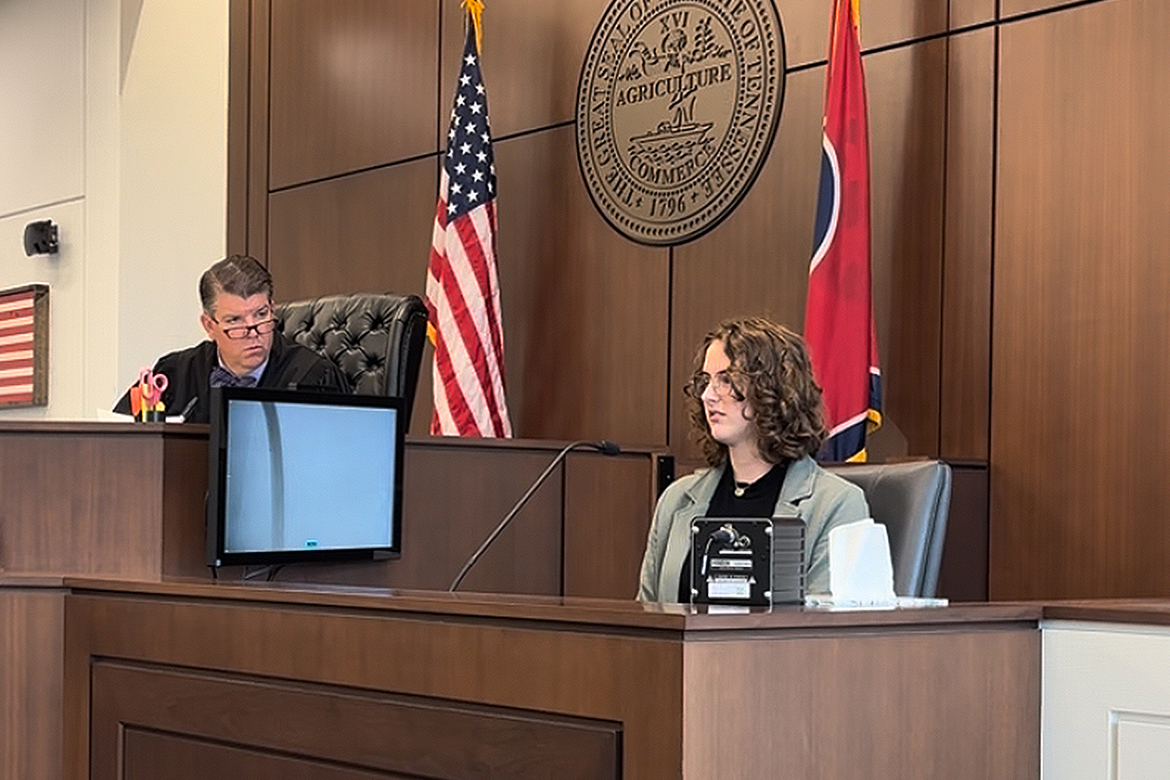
(839, 325)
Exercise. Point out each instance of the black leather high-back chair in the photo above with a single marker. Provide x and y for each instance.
(912, 500)
(376, 339)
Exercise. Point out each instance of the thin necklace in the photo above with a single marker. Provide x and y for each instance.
(740, 487)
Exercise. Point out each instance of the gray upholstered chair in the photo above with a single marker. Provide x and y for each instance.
(376, 339)
(912, 499)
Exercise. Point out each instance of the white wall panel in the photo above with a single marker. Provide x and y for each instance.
(42, 99)
(1106, 702)
(173, 172)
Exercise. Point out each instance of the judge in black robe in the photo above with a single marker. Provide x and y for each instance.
(243, 346)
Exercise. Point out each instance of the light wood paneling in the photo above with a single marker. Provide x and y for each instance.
(807, 22)
(352, 86)
(134, 494)
(968, 12)
(370, 232)
(1010, 8)
(258, 97)
(1081, 328)
(325, 732)
(586, 312)
(841, 698)
(806, 30)
(965, 397)
(885, 23)
(239, 74)
(490, 663)
(603, 549)
(906, 128)
(532, 55)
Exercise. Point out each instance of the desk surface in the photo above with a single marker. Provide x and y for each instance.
(1150, 612)
(562, 610)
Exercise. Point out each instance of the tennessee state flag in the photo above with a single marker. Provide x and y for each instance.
(838, 322)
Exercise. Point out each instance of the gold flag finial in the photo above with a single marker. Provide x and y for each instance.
(475, 8)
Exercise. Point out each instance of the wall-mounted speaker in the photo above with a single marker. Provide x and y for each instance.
(40, 238)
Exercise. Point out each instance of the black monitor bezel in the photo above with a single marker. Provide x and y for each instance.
(220, 399)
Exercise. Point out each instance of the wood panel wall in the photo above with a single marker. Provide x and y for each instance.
(1082, 317)
(1018, 279)
(32, 628)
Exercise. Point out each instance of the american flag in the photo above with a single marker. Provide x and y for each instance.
(23, 346)
(838, 323)
(463, 290)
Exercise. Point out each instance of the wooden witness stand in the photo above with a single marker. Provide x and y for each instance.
(199, 680)
(109, 616)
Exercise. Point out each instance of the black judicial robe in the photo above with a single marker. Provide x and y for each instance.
(188, 374)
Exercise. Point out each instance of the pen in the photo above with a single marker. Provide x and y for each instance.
(187, 409)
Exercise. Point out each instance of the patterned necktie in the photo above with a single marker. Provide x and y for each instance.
(221, 377)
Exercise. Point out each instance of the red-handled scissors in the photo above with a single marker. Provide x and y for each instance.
(151, 387)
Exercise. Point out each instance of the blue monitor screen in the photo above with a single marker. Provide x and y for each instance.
(298, 476)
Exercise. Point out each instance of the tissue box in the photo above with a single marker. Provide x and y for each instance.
(860, 569)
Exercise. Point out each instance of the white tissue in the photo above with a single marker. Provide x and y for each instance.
(860, 571)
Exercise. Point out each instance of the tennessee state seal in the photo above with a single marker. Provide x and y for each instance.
(677, 106)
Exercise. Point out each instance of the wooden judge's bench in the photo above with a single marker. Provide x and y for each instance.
(124, 659)
(127, 500)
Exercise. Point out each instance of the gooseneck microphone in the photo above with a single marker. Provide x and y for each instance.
(604, 447)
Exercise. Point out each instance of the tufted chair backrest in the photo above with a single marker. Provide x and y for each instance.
(376, 339)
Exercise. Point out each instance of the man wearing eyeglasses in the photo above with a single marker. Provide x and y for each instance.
(243, 347)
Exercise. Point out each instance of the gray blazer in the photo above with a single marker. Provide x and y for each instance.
(821, 499)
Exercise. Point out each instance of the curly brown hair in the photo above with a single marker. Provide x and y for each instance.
(771, 370)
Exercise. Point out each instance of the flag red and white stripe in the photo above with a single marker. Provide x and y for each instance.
(17, 332)
(463, 291)
(839, 326)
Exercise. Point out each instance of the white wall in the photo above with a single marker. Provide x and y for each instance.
(1105, 711)
(119, 137)
(174, 173)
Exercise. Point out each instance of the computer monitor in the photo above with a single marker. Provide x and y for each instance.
(303, 476)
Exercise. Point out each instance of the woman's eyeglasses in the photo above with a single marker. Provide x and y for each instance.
(721, 383)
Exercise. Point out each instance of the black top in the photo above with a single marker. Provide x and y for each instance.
(757, 499)
(188, 372)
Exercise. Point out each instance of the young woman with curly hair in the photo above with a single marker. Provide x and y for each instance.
(757, 413)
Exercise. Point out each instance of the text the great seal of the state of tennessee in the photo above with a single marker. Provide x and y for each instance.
(677, 106)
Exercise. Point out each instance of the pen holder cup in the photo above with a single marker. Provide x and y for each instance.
(154, 415)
